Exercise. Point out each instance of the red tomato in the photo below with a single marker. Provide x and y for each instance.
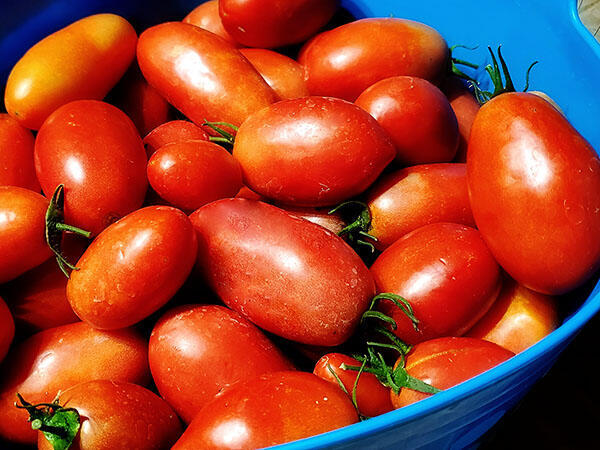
(191, 174)
(418, 117)
(518, 318)
(332, 222)
(345, 61)
(410, 198)
(206, 15)
(22, 231)
(372, 397)
(133, 268)
(173, 131)
(272, 409)
(446, 362)
(201, 74)
(534, 185)
(448, 275)
(199, 352)
(274, 23)
(249, 194)
(465, 108)
(93, 149)
(16, 157)
(283, 74)
(7, 329)
(115, 414)
(337, 147)
(81, 61)
(59, 358)
(287, 275)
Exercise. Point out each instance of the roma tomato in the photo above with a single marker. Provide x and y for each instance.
(332, 222)
(220, 347)
(7, 329)
(249, 194)
(272, 409)
(287, 275)
(201, 74)
(534, 185)
(417, 116)
(22, 231)
(518, 318)
(283, 74)
(94, 150)
(274, 23)
(446, 362)
(337, 147)
(415, 196)
(206, 15)
(16, 155)
(446, 273)
(345, 61)
(133, 268)
(191, 174)
(59, 358)
(372, 397)
(82, 61)
(173, 131)
(465, 108)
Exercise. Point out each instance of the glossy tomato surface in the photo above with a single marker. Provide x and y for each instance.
(7, 329)
(16, 155)
(206, 15)
(173, 131)
(465, 108)
(320, 216)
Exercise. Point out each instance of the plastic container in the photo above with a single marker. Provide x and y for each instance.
(569, 63)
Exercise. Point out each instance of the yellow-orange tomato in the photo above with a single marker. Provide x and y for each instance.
(81, 61)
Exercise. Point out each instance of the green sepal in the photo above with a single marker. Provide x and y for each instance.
(226, 137)
(403, 380)
(454, 70)
(358, 217)
(397, 300)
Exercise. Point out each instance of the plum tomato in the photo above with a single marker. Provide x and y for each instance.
(16, 155)
(249, 194)
(332, 222)
(7, 329)
(465, 109)
(337, 147)
(206, 15)
(287, 275)
(269, 410)
(173, 131)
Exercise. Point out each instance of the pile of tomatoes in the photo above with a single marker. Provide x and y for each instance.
(235, 248)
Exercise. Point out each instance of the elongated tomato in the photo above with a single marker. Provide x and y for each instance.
(465, 108)
(82, 61)
(16, 155)
(206, 15)
(173, 131)
(287, 275)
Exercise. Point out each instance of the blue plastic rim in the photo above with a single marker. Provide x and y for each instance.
(569, 63)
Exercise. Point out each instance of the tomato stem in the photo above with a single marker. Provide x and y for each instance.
(226, 137)
(454, 70)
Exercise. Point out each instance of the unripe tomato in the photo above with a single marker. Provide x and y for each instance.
(16, 155)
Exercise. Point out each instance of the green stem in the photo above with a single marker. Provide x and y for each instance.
(73, 229)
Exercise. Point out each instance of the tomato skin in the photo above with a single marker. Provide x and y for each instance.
(287, 275)
(417, 116)
(133, 268)
(332, 222)
(343, 145)
(248, 194)
(198, 352)
(7, 329)
(274, 23)
(61, 357)
(70, 64)
(173, 131)
(283, 74)
(191, 174)
(111, 413)
(446, 273)
(534, 186)
(446, 362)
(22, 231)
(415, 196)
(206, 15)
(201, 74)
(372, 398)
(95, 150)
(347, 60)
(518, 318)
(16, 157)
(465, 108)
(271, 409)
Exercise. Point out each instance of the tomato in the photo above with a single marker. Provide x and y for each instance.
(345, 61)
(465, 108)
(201, 74)
(16, 157)
(198, 352)
(409, 198)
(534, 186)
(283, 74)
(287, 275)
(173, 131)
(274, 23)
(417, 116)
(446, 362)
(372, 397)
(111, 414)
(448, 275)
(249, 194)
(518, 318)
(337, 147)
(7, 329)
(332, 222)
(191, 174)
(59, 358)
(206, 15)
(93, 149)
(22, 231)
(133, 268)
(81, 61)
(272, 409)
